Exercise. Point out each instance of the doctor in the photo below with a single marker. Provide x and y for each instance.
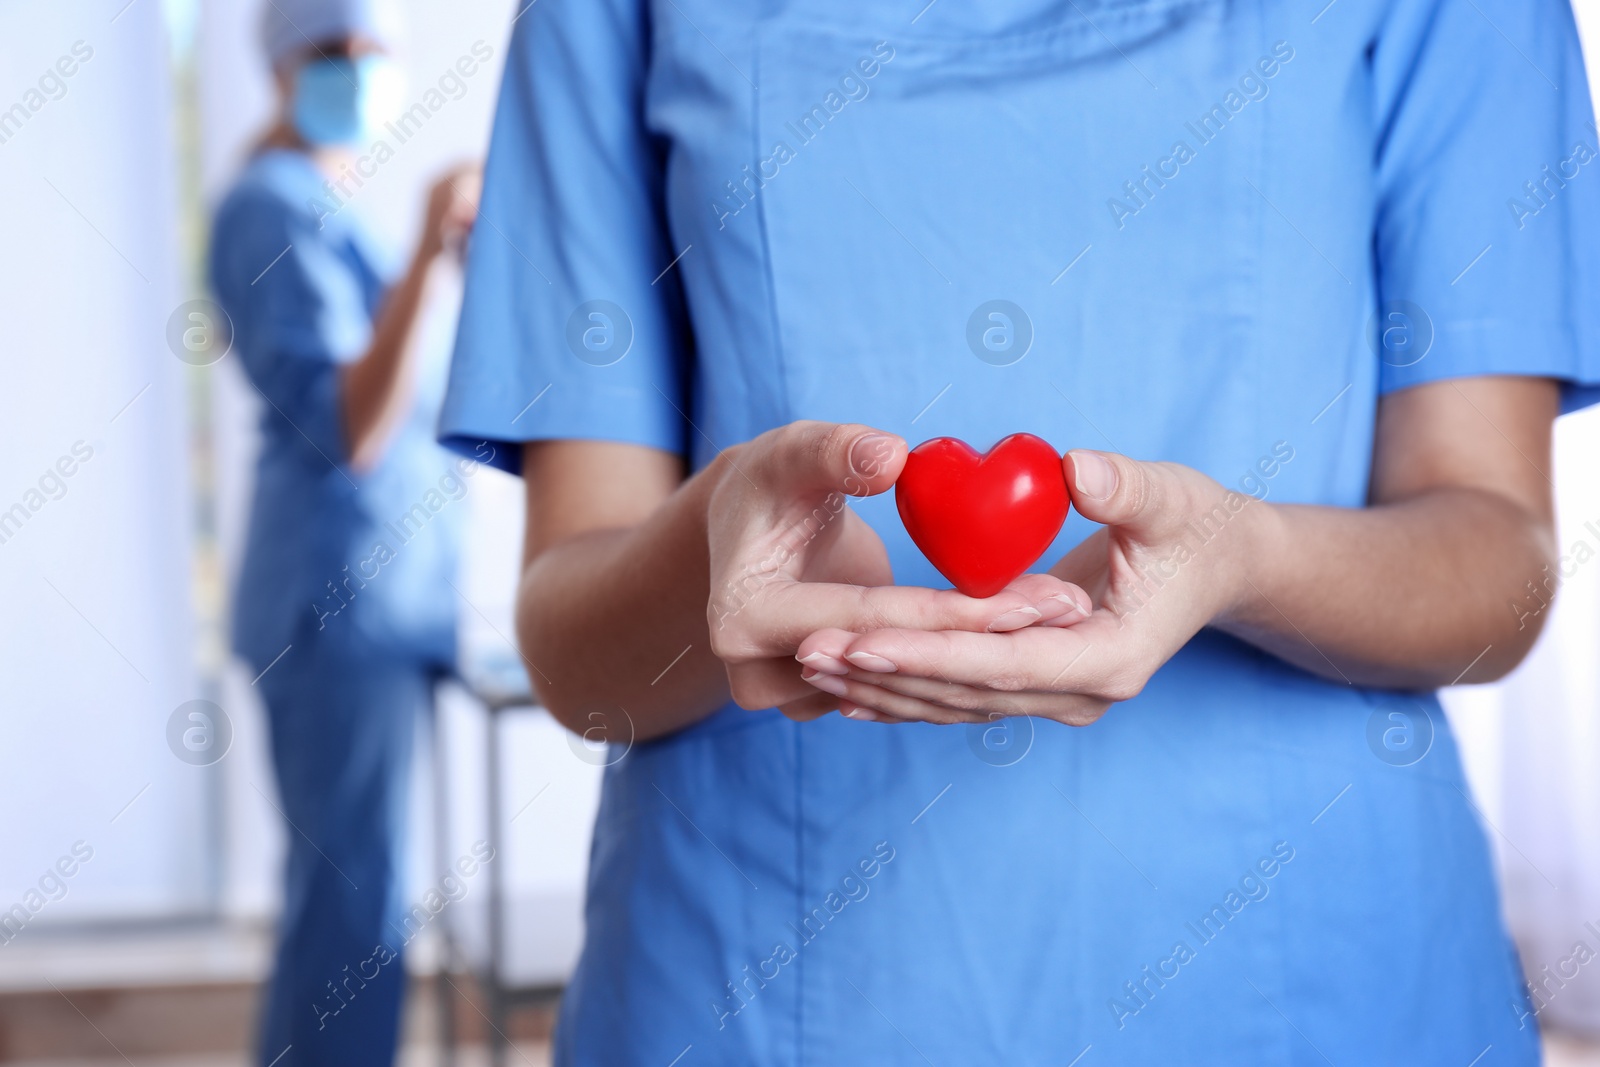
(1301, 300)
(344, 607)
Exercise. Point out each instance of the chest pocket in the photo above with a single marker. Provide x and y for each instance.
(914, 179)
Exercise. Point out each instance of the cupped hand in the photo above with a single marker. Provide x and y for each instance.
(1171, 558)
(789, 559)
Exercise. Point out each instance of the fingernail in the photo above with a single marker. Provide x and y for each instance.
(869, 452)
(828, 683)
(1015, 619)
(1096, 478)
(868, 662)
(1061, 606)
(821, 661)
(862, 715)
(1056, 607)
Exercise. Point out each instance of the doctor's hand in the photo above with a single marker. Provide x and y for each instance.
(1171, 558)
(452, 209)
(789, 558)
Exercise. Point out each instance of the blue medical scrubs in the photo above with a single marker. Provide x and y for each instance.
(344, 606)
(1192, 230)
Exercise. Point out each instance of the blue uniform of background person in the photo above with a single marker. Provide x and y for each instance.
(344, 600)
(1203, 211)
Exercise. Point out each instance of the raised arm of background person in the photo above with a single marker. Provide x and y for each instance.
(375, 391)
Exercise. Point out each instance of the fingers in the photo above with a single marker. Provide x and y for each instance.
(776, 683)
(855, 711)
(803, 695)
(463, 179)
(768, 683)
(1060, 603)
(852, 692)
(910, 697)
(1147, 498)
(995, 661)
(814, 706)
(828, 457)
(1086, 563)
(781, 614)
(1086, 659)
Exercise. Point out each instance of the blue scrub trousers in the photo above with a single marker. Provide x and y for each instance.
(342, 717)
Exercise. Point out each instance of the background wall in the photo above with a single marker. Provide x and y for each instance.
(89, 274)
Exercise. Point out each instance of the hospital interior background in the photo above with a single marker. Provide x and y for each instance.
(131, 458)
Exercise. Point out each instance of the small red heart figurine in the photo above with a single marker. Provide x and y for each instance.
(982, 520)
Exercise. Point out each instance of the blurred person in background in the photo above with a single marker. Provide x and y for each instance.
(344, 607)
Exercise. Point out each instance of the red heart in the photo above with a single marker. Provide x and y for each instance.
(982, 520)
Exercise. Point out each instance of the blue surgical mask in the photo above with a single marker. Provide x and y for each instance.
(343, 101)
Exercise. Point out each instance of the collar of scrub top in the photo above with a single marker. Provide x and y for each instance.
(291, 27)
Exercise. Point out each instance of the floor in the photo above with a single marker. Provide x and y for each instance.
(527, 1054)
(173, 994)
(176, 953)
(1559, 1052)
(227, 962)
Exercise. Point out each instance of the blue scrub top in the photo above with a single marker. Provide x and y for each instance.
(327, 546)
(1192, 230)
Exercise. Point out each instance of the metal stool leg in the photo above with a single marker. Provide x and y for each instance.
(494, 987)
(441, 857)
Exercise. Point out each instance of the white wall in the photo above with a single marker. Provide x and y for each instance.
(95, 638)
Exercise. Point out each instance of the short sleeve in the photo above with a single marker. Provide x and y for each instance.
(297, 311)
(570, 326)
(1488, 195)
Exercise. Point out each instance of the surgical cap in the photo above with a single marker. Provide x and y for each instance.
(289, 26)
